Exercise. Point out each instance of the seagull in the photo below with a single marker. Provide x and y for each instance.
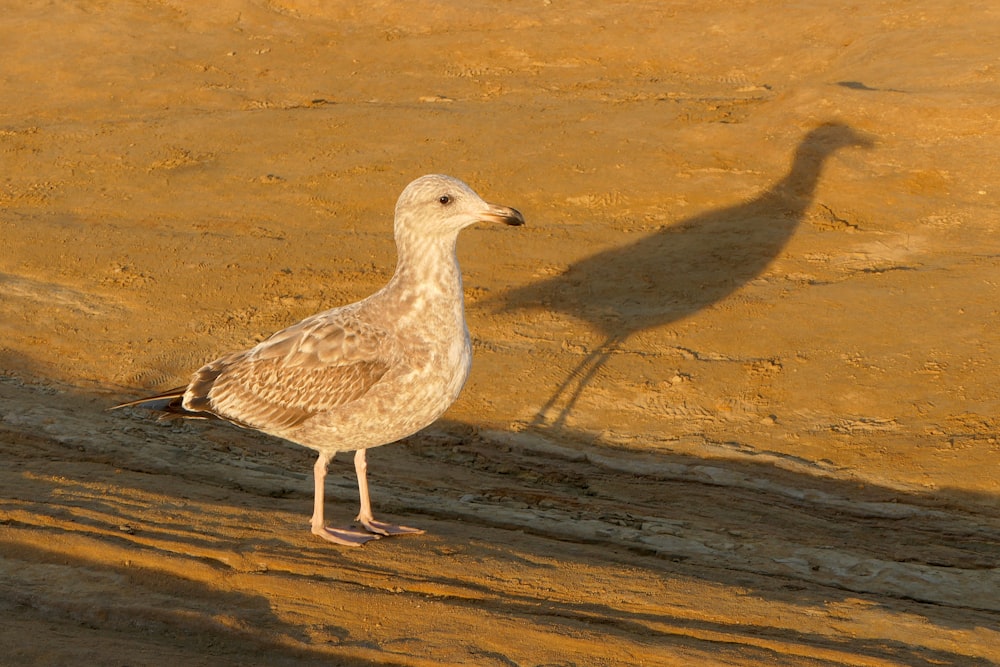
(364, 374)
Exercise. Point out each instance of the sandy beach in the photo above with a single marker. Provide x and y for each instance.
(734, 394)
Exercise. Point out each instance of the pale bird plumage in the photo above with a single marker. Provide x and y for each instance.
(365, 374)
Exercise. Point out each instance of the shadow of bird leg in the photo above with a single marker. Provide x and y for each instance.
(574, 384)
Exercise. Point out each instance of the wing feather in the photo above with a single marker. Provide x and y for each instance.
(314, 366)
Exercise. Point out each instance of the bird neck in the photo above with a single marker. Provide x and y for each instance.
(427, 272)
(798, 187)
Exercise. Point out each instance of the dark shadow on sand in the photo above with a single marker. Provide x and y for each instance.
(681, 269)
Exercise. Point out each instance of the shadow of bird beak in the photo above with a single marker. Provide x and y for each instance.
(505, 214)
(834, 134)
(861, 139)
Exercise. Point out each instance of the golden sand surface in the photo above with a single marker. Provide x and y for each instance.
(734, 398)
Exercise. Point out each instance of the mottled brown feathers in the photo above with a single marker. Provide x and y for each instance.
(311, 367)
(268, 393)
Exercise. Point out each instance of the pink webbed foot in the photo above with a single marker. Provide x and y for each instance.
(343, 536)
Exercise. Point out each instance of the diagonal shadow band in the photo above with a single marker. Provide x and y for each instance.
(682, 268)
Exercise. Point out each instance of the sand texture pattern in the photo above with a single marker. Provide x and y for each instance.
(734, 393)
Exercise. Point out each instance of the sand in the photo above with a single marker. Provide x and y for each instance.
(714, 417)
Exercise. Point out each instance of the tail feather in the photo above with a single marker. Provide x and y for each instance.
(170, 405)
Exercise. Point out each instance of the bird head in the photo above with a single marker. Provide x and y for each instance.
(441, 206)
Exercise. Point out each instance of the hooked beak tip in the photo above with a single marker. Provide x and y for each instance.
(505, 214)
(515, 219)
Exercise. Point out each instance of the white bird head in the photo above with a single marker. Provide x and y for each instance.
(441, 206)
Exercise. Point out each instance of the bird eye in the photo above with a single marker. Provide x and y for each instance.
(445, 199)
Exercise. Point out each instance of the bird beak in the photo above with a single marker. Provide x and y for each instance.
(505, 214)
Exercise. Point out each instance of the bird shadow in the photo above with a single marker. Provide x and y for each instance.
(680, 269)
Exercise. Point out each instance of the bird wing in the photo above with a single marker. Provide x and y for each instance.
(318, 364)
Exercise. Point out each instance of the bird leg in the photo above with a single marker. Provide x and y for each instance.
(365, 515)
(342, 536)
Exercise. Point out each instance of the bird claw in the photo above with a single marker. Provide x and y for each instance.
(381, 528)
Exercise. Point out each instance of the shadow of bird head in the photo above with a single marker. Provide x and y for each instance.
(834, 135)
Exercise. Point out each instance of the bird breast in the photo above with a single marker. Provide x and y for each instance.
(433, 357)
